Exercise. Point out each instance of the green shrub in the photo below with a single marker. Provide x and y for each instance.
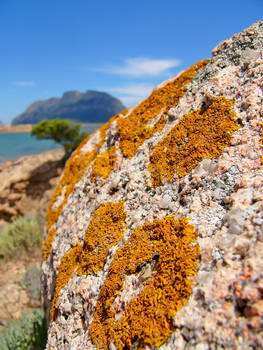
(28, 333)
(65, 132)
(22, 233)
(30, 282)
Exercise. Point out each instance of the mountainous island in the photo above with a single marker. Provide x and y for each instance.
(88, 107)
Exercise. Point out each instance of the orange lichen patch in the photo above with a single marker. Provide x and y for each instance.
(46, 248)
(83, 142)
(148, 318)
(105, 230)
(66, 269)
(200, 134)
(73, 172)
(124, 112)
(103, 164)
(134, 129)
(261, 142)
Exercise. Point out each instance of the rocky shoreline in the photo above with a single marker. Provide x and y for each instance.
(16, 128)
(27, 184)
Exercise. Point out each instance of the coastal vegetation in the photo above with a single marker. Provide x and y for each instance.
(65, 132)
(20, 241)
(22, 234)
(28, 333)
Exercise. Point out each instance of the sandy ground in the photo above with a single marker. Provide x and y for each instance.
(16, 128)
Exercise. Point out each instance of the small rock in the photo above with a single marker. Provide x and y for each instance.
(165, 202)
(254, 310)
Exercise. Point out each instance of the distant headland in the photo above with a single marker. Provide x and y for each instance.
(16, 128)
(88, 107)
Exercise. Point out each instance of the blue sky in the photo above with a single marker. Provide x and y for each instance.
(121, 47)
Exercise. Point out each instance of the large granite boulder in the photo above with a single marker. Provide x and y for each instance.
(155, 232)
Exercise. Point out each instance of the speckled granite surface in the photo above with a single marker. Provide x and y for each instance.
(123, 268)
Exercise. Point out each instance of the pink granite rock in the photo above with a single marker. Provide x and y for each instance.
(221, 194)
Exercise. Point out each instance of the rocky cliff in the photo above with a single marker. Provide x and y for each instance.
(155, 231)
(27, 184)
(88, 107)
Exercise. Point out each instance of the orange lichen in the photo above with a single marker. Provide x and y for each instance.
(66, 269)
(135, 129)
(148, 318)
(73, 172)
(103, 164)
(105, 230)
(200, 134)
(261, 142)
(46, 248)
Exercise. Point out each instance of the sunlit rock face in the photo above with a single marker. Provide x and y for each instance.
(155, 232)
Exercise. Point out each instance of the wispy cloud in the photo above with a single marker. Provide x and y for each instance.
(25, 83)
(132, 94)
(141, 67)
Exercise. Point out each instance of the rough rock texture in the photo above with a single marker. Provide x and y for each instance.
(123, 266)
(27, 184)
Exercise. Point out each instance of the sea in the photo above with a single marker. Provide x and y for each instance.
(15, 145)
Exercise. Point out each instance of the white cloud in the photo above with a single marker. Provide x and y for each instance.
(132, 94)
(134, 90)
(141, 66)
(129, 101)
(25, 83)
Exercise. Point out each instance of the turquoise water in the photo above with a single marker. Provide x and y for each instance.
(15, 145)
